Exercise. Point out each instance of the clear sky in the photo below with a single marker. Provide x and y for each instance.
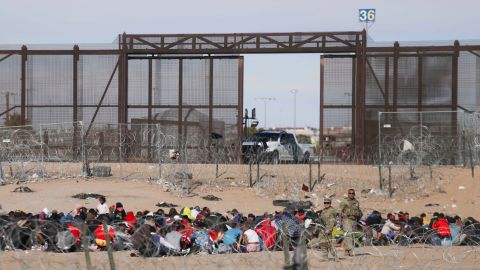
(87, 21)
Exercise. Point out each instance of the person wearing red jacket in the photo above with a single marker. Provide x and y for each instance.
(442, 229)
(268, 233)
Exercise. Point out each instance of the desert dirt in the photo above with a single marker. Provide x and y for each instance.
(135, 185)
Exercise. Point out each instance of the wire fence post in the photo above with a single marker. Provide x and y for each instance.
(286, 254)
(319, 175)
(85, 171)
(86, 250)
(310, 187)
(380, 179)
(390, 191)
(216, 159)
(472, 164)
(2, 181)
(250, 174)
(109, 247)
(159, 152)
(258, 171)
(120, 149)
(42, 165)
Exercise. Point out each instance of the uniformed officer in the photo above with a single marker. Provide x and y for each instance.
(327, 218)
(350, 212)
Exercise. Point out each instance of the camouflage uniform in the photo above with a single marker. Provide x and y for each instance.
(324, 242)
(350, 211)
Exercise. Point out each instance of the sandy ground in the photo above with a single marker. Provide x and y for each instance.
(277, 182)
(453, 189)
(365, 258)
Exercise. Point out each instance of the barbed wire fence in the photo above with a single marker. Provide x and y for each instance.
(25, 243)
(411, 145)
(194, 164)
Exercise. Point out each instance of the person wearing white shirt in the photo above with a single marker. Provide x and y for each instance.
(102, 208)
(389, 226)
(251, 239)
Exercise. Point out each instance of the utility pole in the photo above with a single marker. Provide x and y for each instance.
(294, 92)
(7, 101)
(265, 100)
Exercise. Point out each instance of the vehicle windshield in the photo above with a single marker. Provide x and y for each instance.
(260, 137)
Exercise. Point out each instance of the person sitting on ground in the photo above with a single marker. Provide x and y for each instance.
(389, 229)
(173, 236)
(102, 209)
(119, 212)
(167, 246)
(200, 219)
(122, 240)
(201, 239)
(231, 238)
(142, 238)
(195, 211)
(300, 215)
(268, 234)
(442, 230)
(251, 218)
(130, 219)
(172, 212)
(456, 231)
(250, 239)
(375, 218)
(425, 219)
(433, 219)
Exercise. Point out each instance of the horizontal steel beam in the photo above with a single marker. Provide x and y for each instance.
(377, 106)
(241, 34)
(305, 42)
(244, 51)
(183, 106)
(426, 48)
(62, 52)
(160, 57)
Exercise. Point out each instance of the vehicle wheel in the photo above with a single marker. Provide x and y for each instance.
(306, 158)
(275, 158)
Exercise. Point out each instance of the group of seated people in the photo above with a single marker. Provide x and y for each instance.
(193, 230)
(437, 230)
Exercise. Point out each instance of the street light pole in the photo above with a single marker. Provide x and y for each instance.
(265, 100)
(294, 92)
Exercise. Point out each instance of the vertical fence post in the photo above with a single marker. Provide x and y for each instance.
(318, 165)
(86, 251)
(250, 174)
(23, 94)
(390, 191)
(258, 171)
(380, 179)
(42, 165)
(120, 150)
(421, 138)
(2, 181)
(379, 139)
(464, 148)
(216, 158)
(159, 152)
(109, 247)
(286, 254)
(472, 165)
(76, 58)
(86, 169)
(310, 187)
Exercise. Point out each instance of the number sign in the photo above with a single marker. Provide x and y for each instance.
(366, 15)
